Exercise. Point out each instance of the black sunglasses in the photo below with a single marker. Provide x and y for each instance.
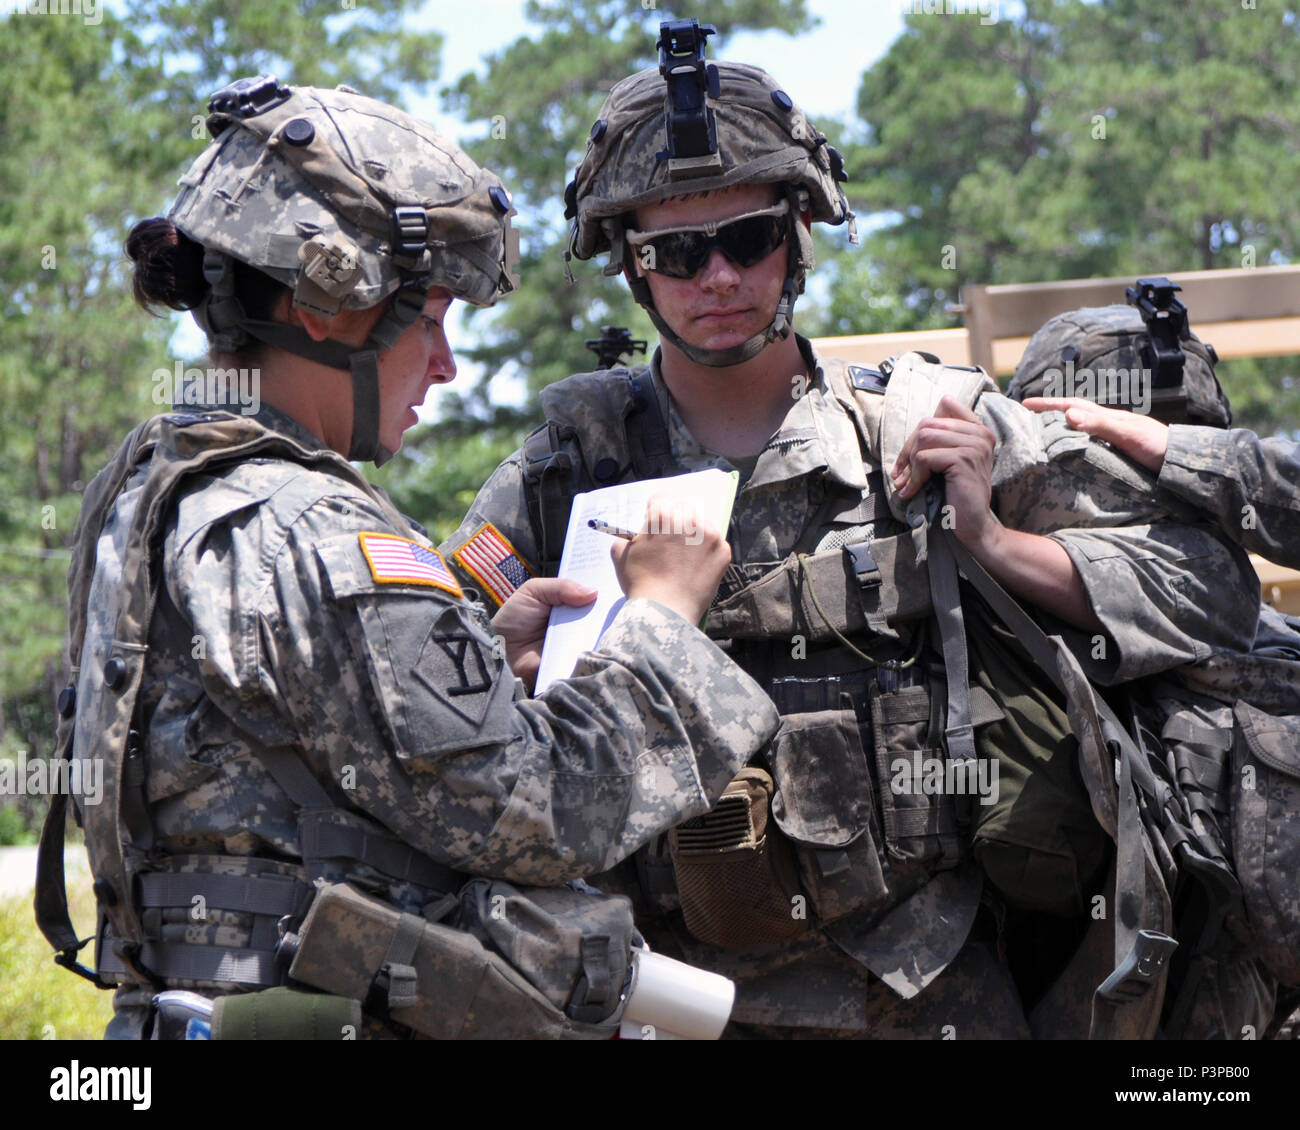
(681, 252)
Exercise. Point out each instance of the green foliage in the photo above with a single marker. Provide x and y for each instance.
(1075, 140)
(13, 827)
(38, 999)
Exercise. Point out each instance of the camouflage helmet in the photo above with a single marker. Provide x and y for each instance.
(346, 201)
(1106, 354)
(758, 136)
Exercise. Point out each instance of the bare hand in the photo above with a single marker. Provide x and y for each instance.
(675, 559)
(521, 621)
(954, 442)
(1142, 438)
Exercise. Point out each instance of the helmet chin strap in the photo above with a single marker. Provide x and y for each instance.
(222, 317)
(777, 330)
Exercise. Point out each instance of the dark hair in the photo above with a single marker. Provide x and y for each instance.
(169, 272)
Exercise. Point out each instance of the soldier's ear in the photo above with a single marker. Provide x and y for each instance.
(317, 325)
(351, 327)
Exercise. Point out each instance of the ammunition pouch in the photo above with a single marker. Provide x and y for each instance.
(1264, 800)
(468, 982)
(825, 805)
(919, 814)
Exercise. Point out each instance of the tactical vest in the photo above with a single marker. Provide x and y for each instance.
(869, 699)
(279, 920)
(828, 761)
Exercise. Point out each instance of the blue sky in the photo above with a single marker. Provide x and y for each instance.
(820, 68)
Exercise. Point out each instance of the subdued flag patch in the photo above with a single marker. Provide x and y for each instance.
(492, 561)
(400, 561)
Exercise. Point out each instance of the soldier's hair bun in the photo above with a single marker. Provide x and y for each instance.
(169, 272)
(168, 266)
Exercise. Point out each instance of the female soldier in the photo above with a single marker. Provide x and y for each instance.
(280, 675)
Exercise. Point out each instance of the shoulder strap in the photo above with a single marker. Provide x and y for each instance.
(601, 428)
(914, 385)
(1127, 1003)
(646, 429)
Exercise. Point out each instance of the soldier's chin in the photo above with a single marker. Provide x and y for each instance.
(720, 339)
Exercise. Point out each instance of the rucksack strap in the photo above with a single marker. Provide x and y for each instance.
(548, 472)
(1141, 954)
(648, 443)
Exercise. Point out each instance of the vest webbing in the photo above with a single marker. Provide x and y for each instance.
(175, 447)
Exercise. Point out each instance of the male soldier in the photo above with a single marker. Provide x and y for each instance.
(833, 886)
(280, 673)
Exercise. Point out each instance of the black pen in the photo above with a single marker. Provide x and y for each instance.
(602, 527)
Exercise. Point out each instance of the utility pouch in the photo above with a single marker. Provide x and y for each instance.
(824, 805)
(573, 943)
(919, 814)
(736, 876)
(1265, 800)
(439, 981)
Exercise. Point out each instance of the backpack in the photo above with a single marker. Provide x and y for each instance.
(1141, 356)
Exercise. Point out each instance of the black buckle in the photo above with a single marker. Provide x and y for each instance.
(863, 564)
(68, 959)
(1140, 969)
(412, 235)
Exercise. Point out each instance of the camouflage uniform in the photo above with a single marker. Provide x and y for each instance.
(281, 677)
(881, 971)
(829, 602)
(1249, 484)
(271, 631)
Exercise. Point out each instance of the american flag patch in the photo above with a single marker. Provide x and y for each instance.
(492, 561)
(399, 561)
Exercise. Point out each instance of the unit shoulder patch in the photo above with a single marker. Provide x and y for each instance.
(491, 560)
(395, 560)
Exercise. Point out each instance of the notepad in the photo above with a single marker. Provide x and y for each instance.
(586, 556)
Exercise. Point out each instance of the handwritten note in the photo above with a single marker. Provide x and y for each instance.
(586, 557)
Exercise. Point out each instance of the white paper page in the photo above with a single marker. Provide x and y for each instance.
(586, 557)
